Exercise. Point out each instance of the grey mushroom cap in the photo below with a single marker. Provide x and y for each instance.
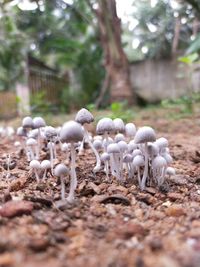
(119, 137)
(105, 157)
(138, 161)
(84, 116)
(31, 142)
(105, 125)
(170, 171)
(33, 133)
(136, 152)
(167, 157)
(61, 170)
(27, 122)
(50, 132)
(145, 134)
(159, 162)
(127, 158)
(45, 164)
(21, 131)
(130, 129)
(119, 125)
(162, 142)
(132, 146)
(97, 144)
(113, 148)
(35, 164)
(152, 149)
(71, 132)
(122, 146)
(38, 122)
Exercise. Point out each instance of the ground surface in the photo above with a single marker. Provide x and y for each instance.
(134, 228)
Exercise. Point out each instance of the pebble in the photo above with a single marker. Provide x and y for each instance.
(16, 208)
(175, 211)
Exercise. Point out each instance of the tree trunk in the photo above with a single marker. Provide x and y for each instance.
(115, 60)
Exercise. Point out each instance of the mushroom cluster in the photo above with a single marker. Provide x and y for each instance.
(120, 150)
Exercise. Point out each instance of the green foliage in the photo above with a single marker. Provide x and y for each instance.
(39, 103)
(189, 59)
(121, 110)
(194, 47)
(184, 103)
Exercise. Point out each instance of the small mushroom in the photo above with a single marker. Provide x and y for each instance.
(138, 162)
(38, 123)
(104, 127)
(35, 165)
(72, 132)
(61, 171)
(114, 151)
(45, 165)
(130, 130)
(105, 157)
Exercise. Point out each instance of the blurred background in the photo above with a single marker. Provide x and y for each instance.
(59, 55)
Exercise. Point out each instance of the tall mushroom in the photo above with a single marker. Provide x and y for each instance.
(72, 132)
(84, 116)
(104, 127)
(38, 123)
(143, 136)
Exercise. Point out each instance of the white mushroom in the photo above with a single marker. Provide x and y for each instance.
(61, 171)
(143, 136)
(35, 165)
(45, 165)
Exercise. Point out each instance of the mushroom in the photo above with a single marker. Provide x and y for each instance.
(114, 151)
(27, 122)
(61, 171)
(123, 147)
(104, 127)
(31, 144)
(105, 157)
(72, 132)
(50, 133)
(119, 137)
(143, 136)
(119, 125)
(127, 159)
(35, 165)
(170, 171)
(38, 123)
(45, 165)
(84, 116)
(130, 130)
(138, 162)
(158, 165)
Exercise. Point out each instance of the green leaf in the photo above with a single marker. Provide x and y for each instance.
(189, 59)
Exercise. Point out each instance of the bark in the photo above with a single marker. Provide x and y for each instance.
(176, 35)
(115, 60)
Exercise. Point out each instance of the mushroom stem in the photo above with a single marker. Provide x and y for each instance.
(145, 173)
(62, 187)
(51, 155)
(37, 176)
(44, 174)
(73, 182)
(98, 160)
(138, 176)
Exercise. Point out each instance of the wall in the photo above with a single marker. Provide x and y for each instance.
(154, 80)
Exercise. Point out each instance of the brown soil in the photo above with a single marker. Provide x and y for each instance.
(109, 225)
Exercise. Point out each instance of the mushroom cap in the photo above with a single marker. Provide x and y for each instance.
(167, 157)
(138, 161)
(159, 162)
(132, 146)
(38, 122)
(31, 142)
(122, 146)
(113, 148)
(119, 125)
(105, 125)
(162, 142)
(130, 129)
(71, 132)
(61, 170)
(50, 132)
(136, 152)
(119, 137)
(65, 147)
(97, 144)
(27, 122)
(152, 149)
(33, 133)
(107, 142)
(21, 131)
(145, 134)
(35, 164)
(105, 156)
(170, 171)
(45, 164)
(84, 116)
(127, 158)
